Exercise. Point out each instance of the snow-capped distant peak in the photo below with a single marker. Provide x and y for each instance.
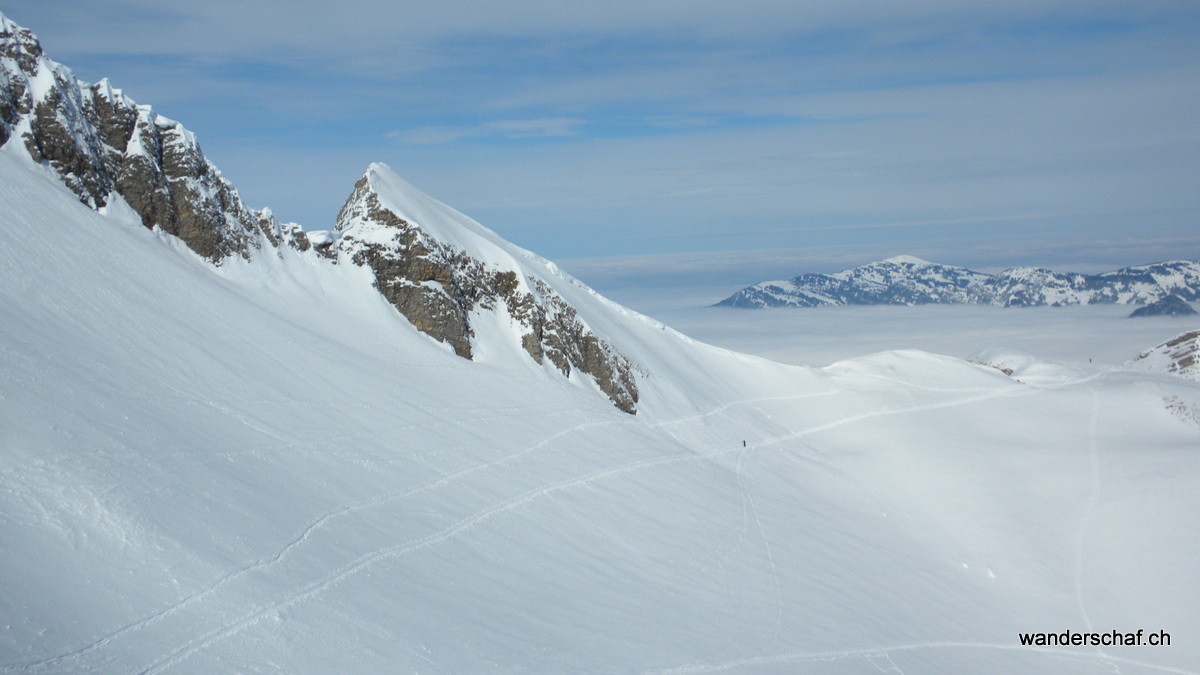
(905, 260)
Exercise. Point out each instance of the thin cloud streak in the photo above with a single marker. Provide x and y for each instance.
(730, 270)
(548, 127)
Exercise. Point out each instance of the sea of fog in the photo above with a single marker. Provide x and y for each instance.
(823, 335)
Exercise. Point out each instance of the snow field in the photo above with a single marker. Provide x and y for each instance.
(264, 467)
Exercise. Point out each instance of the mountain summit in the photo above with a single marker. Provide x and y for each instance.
(441, 270)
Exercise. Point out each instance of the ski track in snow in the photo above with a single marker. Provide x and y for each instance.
(726, 406)
(1086, 515)
(318, 523)
(298, 540)
(748, 498)
(868, 653)
(469, 523)
(401, 550)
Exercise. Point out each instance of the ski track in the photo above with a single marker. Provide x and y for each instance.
(462, 526)
(1085, 516)
(748, 497)
(867, 653)
(725, 406)
(1087, 510)
(279, 555)
(467, 524)
(320, 522)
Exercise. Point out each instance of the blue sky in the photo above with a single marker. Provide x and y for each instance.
(698, 141)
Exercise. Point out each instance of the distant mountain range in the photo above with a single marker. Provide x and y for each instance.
(906, 280)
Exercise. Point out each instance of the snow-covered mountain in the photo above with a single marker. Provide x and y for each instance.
(905, 280)
(283, 462)
(103, 144)
(445, 273)
(1170, 305)
(1179, 355)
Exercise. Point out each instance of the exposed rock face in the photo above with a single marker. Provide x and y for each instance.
(1172, 305)
(281, 234)
(439, 287)
(1179, 355)
(100, 142)
(905, 280)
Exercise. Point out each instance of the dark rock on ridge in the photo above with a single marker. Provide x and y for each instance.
(1179, 355)
(1171, 305)
(437, 287)
(101, 142)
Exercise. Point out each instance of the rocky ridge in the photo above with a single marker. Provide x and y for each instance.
(905, 280)
(438, 286)
(104, 146)
(102, 143)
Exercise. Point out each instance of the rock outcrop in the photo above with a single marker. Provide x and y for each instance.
(1179, 355)
(440, 285)
(104, 146)
(1171, 305)
(101, 143)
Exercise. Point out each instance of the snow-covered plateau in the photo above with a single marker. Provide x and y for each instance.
(266, 465)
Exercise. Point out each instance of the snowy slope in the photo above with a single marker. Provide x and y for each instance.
(1179, 355)
(262, 466)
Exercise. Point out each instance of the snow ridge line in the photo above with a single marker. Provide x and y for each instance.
(725, 406)
(453, 531)
(1004, 393)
